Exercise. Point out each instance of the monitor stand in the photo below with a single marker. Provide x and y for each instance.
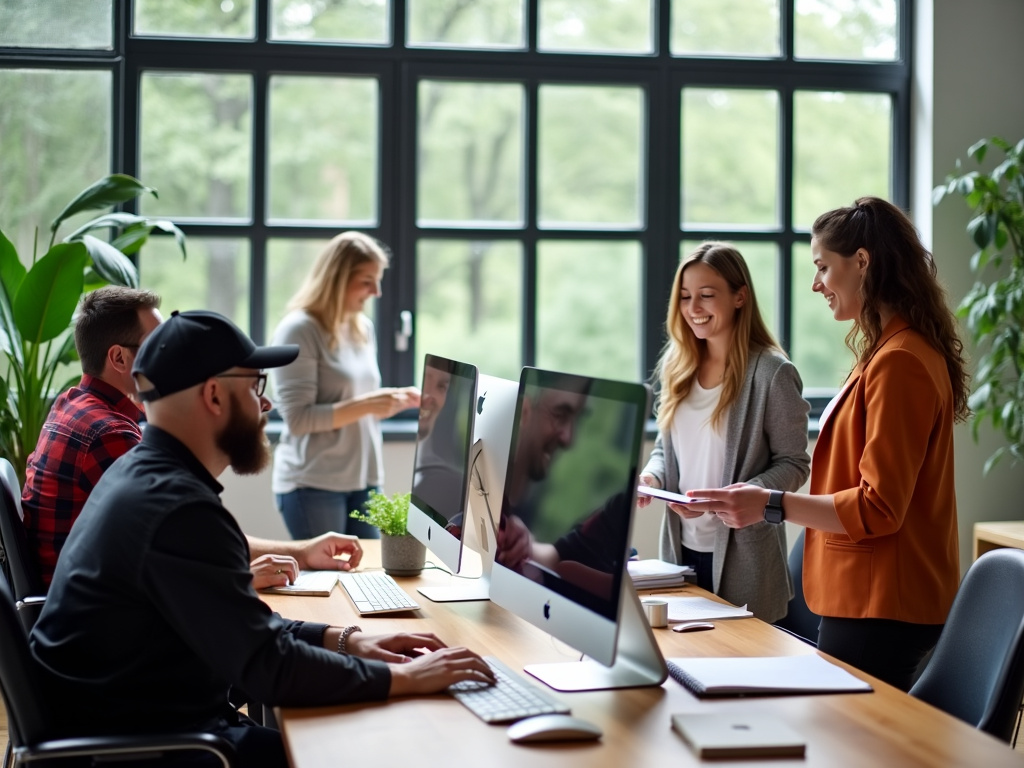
(480, 536)
(638, 659)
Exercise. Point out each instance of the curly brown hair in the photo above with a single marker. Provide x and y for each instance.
(901, 276)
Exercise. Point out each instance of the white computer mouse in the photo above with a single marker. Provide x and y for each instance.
(553, 728)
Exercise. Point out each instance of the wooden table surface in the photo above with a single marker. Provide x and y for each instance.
(880, 729)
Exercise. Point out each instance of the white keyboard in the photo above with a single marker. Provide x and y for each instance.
(375, 592)
(511, 698)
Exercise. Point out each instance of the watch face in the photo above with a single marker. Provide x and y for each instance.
(773, 515)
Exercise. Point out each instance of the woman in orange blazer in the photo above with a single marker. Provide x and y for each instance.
(881, 563)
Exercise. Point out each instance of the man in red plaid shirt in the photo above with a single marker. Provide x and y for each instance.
(93, 424)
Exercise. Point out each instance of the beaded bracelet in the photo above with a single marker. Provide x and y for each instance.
(343, 637)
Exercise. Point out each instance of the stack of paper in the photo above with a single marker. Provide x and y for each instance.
(652, 574)
(701, 609)
(767, 676)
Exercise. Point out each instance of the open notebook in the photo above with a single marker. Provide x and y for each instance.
(763, 676)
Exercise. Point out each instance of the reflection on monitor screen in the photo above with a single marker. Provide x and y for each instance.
(444, 439)
(564, 530)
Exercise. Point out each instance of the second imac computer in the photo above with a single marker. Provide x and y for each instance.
(460, 412)
(564, 530)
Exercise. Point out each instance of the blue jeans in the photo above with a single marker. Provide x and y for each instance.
(308, 512)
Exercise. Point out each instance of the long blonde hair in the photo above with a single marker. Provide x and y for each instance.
(683, 351)
(322, 294)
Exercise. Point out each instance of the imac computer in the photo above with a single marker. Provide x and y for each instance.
(448, 457)
(564, 529)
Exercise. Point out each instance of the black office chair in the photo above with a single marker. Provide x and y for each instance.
(32, 736)
(799, 620)
(977, 670)
(20, 566)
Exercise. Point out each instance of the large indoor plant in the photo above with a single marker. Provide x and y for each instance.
(37, 303)
(994, 307)
(401, 554)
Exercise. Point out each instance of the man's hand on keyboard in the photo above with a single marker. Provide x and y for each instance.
(434, 672)
(322, 553)
(273, 571)
(395, 649)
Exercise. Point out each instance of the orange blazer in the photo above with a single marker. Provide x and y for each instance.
(886, 453)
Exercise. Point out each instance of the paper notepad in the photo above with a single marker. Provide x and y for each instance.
(701, 609)
(763, 676)
(726, 734)
(316, 583)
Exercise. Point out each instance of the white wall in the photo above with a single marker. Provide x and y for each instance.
(969, 70)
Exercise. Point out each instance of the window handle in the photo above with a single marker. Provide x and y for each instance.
(404, 331)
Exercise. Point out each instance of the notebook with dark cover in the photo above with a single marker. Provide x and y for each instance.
(763, 676)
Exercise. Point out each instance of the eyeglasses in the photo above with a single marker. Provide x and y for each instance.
(261, 380)
(132, 347)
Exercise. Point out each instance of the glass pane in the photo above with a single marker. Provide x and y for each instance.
(846, 30)
(331, 21)
(469, 304)
(288, 263)
(324, 160)
(215, 275)
(85, 24)
(591, 146)
(588, 307)
(819, 349)
(470, 153)
(842, 150)
(596, 26)
(762, 261)
(56, 137)
(458, 24)
(726, 28)
(222, 19)
(730, 174)
(196, 144)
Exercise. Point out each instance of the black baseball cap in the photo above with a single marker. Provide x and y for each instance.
(190, 347)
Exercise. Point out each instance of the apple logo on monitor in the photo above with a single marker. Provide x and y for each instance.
(547, 610)
(480, 403)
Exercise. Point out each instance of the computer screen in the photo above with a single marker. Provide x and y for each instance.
(444, 439)
(564, 529)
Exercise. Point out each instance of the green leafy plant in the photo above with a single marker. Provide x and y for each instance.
(388, 513)
(994, 308)
(37, 303)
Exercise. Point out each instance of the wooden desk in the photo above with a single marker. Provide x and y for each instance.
(884, 728)
(989, 536)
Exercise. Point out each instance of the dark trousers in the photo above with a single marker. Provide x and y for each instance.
(256, 747)
(889, 650)
(702, 564)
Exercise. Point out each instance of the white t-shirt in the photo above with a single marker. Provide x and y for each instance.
(700, 453)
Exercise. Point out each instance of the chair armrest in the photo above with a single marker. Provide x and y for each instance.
(29, 609)
(124, 747)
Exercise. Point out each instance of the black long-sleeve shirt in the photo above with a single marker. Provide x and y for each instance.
(151, 614)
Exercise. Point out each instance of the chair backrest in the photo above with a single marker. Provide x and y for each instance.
(798, 619)
(19, 562)
(20, 681)
(977, 670)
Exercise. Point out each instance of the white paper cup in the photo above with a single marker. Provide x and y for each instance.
(656, 611)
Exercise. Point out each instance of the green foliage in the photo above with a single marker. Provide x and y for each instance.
(994, 310)
(37, 304)
(388, 513)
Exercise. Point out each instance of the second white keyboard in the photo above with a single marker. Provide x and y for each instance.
(511, 698)
(375, 592)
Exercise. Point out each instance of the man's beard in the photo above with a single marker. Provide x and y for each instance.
(244, 441)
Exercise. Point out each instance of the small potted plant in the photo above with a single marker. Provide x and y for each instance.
(401, 554)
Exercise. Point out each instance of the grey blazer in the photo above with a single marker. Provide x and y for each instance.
(766, 444)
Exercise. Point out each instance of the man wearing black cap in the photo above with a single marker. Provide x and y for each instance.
(151, 615)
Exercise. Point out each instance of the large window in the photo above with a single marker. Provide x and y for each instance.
(537, 167)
